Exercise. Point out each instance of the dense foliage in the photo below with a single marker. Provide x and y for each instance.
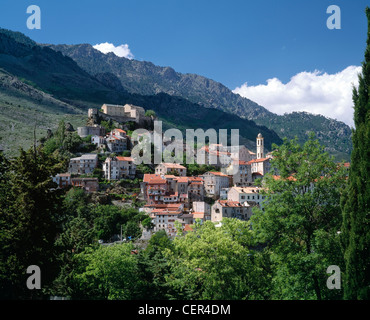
(300, 220)
(356, 200)
(282, 254)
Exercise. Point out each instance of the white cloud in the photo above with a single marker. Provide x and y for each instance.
(314, 92)
(120, 51)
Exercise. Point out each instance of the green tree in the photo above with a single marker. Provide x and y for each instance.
(50, 145)
(356, 200)
(107, 273)
(78, 232)
(150, 113)
(147, 223)
(144, 168)
(213, 263)
(300, 220)
(108, 125)
(60, 133)
(159, 240)
(109, 220)
(5, 234)
(154, 267)
(126, 153)
(72, 142)
(30, 221)
(63, 141)
(132, 230)
(199, 169)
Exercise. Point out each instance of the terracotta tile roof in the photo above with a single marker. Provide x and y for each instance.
(176, 194)
(229, 203)
(172, 206)
(114, 137)
(125, 159)
(170, 176)
(64, 174)
(173, 165)
(182, 179)
(289, 178)
(258, 160)
(120, 130)
(217, 173)
(154, 179)
(246, 189)
(188, 227)
(165, 212)
(198, 215)
(157, 210)
(196, 179)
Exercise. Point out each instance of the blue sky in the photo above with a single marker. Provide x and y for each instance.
(234, 42)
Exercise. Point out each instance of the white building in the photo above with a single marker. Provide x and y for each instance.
(223, 193)
(201, 210)
(170, 168)
(246, 194)
(230, 209)
(241, 172)
(119, 168)
(215, 181)
(164, 217)
(98, 140)
(259, 167)
(84, 164)
(62, 179)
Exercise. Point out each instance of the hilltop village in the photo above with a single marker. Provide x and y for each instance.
(170, 194)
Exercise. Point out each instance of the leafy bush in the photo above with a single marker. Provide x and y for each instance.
(150, 113)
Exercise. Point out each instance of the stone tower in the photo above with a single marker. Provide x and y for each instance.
(259, 146)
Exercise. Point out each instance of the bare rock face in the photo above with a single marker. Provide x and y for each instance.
(49, 133)
(69, 127)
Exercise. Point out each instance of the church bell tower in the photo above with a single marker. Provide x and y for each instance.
(259, 146)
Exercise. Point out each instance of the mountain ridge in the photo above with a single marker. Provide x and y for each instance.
(146, 78)
(52, 73)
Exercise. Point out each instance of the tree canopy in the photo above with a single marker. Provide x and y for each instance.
(356, 200)
(301, 218)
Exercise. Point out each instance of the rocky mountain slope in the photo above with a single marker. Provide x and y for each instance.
(143, 77)
(40, 78)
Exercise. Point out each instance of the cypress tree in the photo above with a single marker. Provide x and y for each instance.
(355, 201)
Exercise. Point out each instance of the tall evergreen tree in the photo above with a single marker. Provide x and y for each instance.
(29, 219)
(355, 202)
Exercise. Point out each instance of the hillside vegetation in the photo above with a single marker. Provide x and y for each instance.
(56, 84)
